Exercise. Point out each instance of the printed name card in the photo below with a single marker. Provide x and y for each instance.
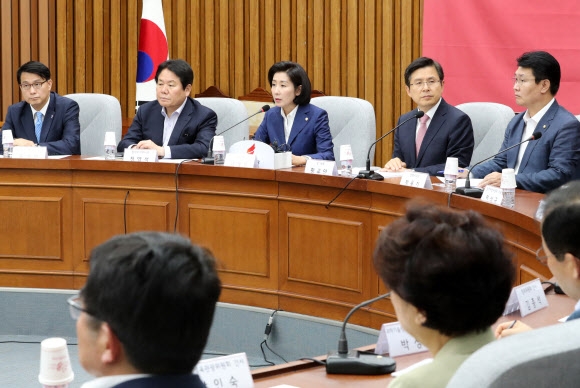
(226, 371)
(492, 194)
(139, 155)
(527, 298)
(416, 179)
(30, 153)
(393, 339)
(240, 160)
(321, 167)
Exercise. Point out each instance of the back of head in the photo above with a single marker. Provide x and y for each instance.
(33, 67)
(561, 223)
(544, 66)
(180, 68)
(158, 293)
(451, 265)
(297, 75)
(420, 63)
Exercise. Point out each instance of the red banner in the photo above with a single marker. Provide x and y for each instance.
(477, 43)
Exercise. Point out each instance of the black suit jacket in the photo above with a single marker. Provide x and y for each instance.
(191, 135)
(449, 134)
(61, 130)
(173, 381)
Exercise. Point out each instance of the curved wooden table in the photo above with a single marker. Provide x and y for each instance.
(279, 246)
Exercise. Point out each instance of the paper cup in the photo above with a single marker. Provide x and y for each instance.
(55, 368)
(110, 139)
(345, 152)
(218, 144)
(7, 136)
(451, 166)
(508, 178)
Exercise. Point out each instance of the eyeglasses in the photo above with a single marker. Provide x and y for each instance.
(75, 307)
(429, 83)
(541, 256)
(520, 81)
(36, 85)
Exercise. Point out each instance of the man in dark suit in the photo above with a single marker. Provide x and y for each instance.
(175, 125)
(552, 160)
(444, 131)
(145, 312)
(44, 118)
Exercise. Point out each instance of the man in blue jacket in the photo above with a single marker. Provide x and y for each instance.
(44, 118)
(552, 160)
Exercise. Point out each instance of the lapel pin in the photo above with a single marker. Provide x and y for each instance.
(306, 119)
(544, 126)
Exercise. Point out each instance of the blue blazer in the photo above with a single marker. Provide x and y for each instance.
(449, 134)
(61, 130)
(163, 381)
(310, 134)
(191, 135)
(548, 162)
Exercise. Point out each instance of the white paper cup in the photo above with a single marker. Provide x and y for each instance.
(508, 178)
(218, 144)
(451, 166)
(55, 368)
(110, 139)
(7, 136)
(345, 152)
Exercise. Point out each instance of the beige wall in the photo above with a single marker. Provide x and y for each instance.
(356, 48)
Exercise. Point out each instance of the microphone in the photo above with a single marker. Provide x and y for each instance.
(476, 192)
(355, 362)
(370, 174)
(209, 159)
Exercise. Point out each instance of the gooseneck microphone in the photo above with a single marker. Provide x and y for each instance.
(355, 362)
(371, 174)
(209, 159)
(476, 192)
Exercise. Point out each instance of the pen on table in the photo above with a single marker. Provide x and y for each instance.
(443, 172)
(513, 323)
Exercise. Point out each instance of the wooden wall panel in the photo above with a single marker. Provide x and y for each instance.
(356, 48)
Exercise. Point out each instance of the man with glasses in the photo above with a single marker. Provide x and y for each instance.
(175, 125)
(552, 160)
(560, 249)
(145, 312)
(44, 118)
(444, 131)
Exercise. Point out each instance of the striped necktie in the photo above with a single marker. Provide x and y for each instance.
(38, 126)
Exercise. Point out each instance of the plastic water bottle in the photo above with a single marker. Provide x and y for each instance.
(346, 167)
(8, 148)
(509, 198)
(450, 183)
(219, 157)
(110, 151)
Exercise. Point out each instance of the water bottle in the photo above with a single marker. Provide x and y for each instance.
(450, 183)
(346, 167)
(110, 151)
(8, 148)
(219, 157)
(509, 198)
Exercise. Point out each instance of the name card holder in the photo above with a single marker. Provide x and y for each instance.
(393, 339)
(282, 160)
(240, 160)
(227, 371)
(30, 153)
(416, 179)
(321, 167)
(492, 194)
(528, 298)
(139, 155)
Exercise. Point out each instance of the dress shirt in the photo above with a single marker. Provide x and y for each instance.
(43, 110)
(429, 113)
(168, 125)
(531, 123)
(288, 122)
(111, 381)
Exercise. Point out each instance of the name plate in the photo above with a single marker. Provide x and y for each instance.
(226, 371)
(29, 153)
(240, 160)
(528, 298)
(416, 179)
(492, 194)
(321, 167)
(139, 155)
(393, 339)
